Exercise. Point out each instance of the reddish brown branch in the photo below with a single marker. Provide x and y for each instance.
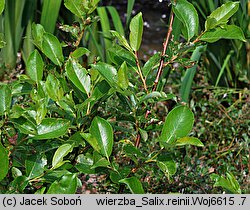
(163, 53)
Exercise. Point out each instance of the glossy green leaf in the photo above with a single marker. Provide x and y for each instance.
(4, 163)
(123, 81)
(60, 153)
(92, 141)
(158, 96)
(122, 40)
(79, 52)
(24, 126)
(78, 75)
(133, 184)
(52, 128)
(151, 64)
(37, 34)
(66, 185)
(136, 31)
(221, 15)
(102, 131)
(75, 6)
(5, 99)
(84, 163)
(52, 48)
(189, 141)
(102, 162)
(35, 165)
(168, 167)
(2, 5)
(108, 72)
(178, 123)
(118, 55)
(34, 66)
(225, 32)
(54, 88)
(188, 15)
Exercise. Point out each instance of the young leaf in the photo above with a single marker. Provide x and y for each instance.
(78, 75)
(136, 30)
(221, 15)
(108, 72)
(60, 153)
(5, 99)
(123, 81)
(52, 48)
(188, 15)
(52, 128)
(35, 66)
(35, 165)
(225, 32)
(133, 184)
(178, 123)
(4, 163)
(102, 131)
(66, 185)
(189, 140)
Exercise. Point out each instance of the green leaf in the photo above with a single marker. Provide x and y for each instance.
(178, 123)
(37, 34)
(136, 31)
(118, 55)
(54, 88)
(2, 5)
(122, 40)
(123, 81)
(52, 128)
(225, 32)
(229, 183)
(51, 47)
(102, 131)
(4, 163)
(151, 64)
(79, 52)
(221, 15)
(189, 140)
(5, 99)
(84, 163)
(35, 165)
(108, 72)
(92, 141)
(133, 184)
(25, 126)
(35, 66)
(102, 162)
(78, 75)
(66, 185)
(75, 6)
(116, 20)
(60, 153)
(168, 167)
(159, 96)
(188, 15)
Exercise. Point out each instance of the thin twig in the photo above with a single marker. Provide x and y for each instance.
(140, 72)
(163, 53)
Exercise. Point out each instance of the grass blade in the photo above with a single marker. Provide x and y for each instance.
(116, 20)
(130, 6)
(49, 14)
(189, 75)
(102, 13)
(223, 67)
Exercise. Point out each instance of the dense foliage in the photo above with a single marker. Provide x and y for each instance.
(87, 106)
